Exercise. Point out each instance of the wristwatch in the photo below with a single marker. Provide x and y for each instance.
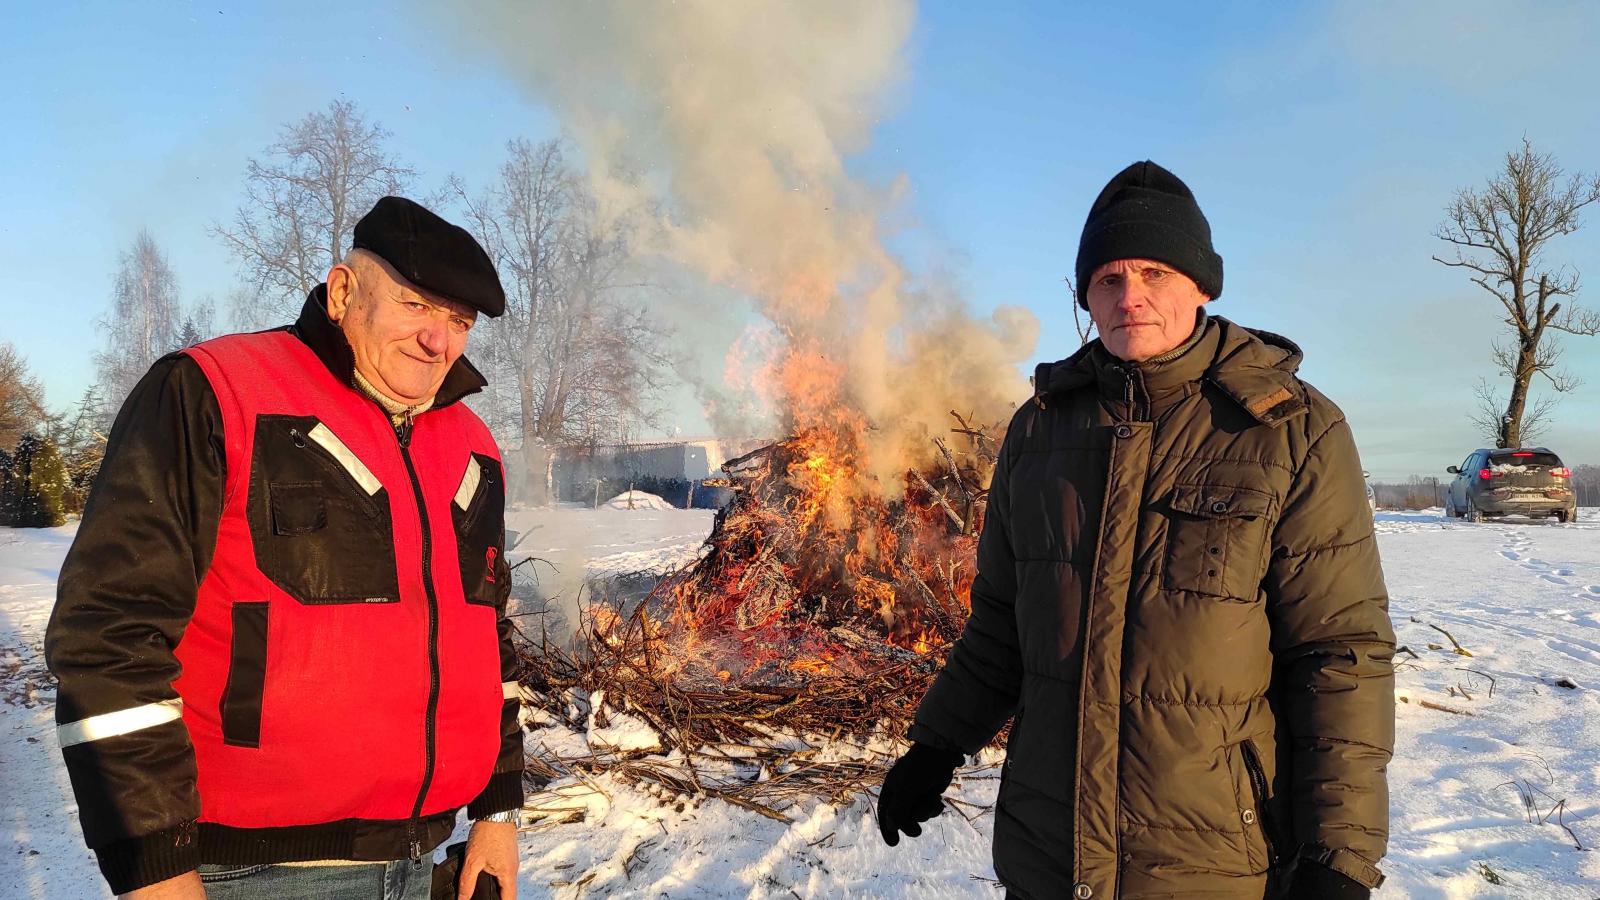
(505, 815)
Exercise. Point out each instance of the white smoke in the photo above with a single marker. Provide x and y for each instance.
(734, 119)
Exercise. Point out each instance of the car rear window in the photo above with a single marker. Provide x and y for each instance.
(1512, 459)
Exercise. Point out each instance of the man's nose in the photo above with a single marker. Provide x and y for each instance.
(1132, 297)
(434, 337)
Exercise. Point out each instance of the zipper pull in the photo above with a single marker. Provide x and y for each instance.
(416, 844)
(404, 431)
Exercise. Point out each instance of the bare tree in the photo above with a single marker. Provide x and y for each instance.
(605, 361)
(1499, 235)
(586, 365)
(142, 324)
(519, 221)
(1082, 322)
(302, 203)
(1490, 417)
(21, 398)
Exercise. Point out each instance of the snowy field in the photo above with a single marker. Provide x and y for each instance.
(1497, 750)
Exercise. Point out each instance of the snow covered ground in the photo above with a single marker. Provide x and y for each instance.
(1477, 736)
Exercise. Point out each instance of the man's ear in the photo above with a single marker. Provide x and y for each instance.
(341, 291)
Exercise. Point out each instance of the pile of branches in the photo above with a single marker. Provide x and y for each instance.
(640, 675)
(756, 746)
(724, 738)
(762, 653)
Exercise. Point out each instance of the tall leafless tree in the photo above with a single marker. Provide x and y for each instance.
(21, 398)
(587, 365)
(520, 221)
(1499, 235)
(142, 324)
(302, 203)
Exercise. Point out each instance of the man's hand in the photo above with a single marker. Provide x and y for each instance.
(491, 848)
(184, 887)
(913, 791)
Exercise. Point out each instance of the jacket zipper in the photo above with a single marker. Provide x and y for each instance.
(1137, 415)
(1258, 788)
(403, 436)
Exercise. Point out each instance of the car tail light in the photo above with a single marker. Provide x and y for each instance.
(1561, 472)
(1523, 455)
(1487, 474)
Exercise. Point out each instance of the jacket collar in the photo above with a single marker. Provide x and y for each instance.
(326, 340)
(1253, 368)
(1257, 369)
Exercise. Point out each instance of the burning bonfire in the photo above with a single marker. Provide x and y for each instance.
(806, 574)
(820, 607)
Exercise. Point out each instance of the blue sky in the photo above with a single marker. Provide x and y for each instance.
(1323, 142)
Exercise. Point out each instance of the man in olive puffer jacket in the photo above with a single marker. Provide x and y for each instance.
(1179, 599)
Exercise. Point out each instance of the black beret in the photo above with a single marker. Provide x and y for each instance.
(1146, 212)
(431, 253)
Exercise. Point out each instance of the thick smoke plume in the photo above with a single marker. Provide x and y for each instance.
(734, 120)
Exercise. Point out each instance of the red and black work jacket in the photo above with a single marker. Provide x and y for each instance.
(280, 633)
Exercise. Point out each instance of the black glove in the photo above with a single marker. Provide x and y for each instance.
(913, 791)
(1315, 881)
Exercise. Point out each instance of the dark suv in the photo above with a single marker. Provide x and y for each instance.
(1529, 481)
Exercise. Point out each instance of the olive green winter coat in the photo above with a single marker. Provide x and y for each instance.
(1180, 600)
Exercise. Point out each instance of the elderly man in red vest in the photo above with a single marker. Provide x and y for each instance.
(280, 634)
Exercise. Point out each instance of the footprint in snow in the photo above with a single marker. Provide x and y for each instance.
(1578, 650)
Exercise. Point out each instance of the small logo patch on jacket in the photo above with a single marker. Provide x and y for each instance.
(488, 558)
(1262, 404)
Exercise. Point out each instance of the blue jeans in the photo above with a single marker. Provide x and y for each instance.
(400, 880)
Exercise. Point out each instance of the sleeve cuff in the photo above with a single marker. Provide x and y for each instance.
(503, 792)
(140, 862)
(922, 734)
(1348, 863)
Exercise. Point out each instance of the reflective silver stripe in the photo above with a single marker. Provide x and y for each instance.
(122, 721)
(469, 482)
(352, 464)
(511, 690)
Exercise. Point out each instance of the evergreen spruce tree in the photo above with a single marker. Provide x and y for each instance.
(7, 492)
(82, 445)
(189, 334)
(38, 484)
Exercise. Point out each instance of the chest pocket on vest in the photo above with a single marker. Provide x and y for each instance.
(1217, 540)
(319, 519)
(478, 511)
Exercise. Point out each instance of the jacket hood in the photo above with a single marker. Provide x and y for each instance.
(327, 341)
(1256, 368)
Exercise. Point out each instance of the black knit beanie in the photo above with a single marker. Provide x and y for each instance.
(1146, 212)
